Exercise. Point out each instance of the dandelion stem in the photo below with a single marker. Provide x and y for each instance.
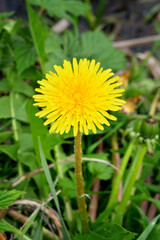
(79, 182)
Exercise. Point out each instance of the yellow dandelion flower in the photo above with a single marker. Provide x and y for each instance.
(78, 96)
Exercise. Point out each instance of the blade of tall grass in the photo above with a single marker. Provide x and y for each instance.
(31, 220)
(148, 229)
(52, 188)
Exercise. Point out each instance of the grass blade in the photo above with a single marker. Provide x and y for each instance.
(149, 228)
(53, 191)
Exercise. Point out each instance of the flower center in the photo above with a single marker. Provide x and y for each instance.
(77, 98)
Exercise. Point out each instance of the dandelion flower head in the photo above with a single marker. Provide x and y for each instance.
(78, 96)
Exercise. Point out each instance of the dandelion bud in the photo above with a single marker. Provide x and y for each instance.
(149, 128)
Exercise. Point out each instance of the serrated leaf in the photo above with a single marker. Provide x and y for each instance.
(61, 8)
(91, 45)
(111, 232)
(49, 141)
(57, 58)
(52, 43)
(25, 56)
(68, 186)
(95, 44)
(8, 197)
(99, 170)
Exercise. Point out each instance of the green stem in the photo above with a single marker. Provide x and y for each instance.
(79, 182)
(133, 172)
(120, 174)
(57, 158)
(90, 17)
(14, 124)
(15, 128)
(100, 10)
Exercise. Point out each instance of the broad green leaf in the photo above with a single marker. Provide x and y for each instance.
(39, 34)
(18, 107)
(149, 228)
(8, 197)
(18, 85)
(99, 170)
(5, 107)
(25, 142)
(53, 43)
(10, 150)
(68, 186)
(4, 86)
(32, 73)
(5, 135)
(25, 56)
(49, 141)
(37, 127)
(29, 159)
(111, 130)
